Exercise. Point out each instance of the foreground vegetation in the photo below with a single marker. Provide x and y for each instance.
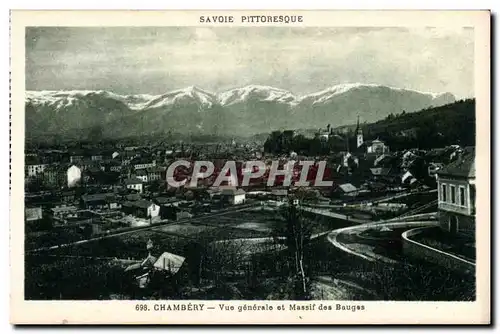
(286, 265)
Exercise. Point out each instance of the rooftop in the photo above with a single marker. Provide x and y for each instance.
(133, 181)
(233, 191)
(132, 197)
(98, 197)
(169, 262)
(165, 200)
(347, 187)
(464, 165)
(144, 204)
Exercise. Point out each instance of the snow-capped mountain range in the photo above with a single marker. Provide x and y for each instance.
(246, 110)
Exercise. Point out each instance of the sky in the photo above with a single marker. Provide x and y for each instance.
(303, 60)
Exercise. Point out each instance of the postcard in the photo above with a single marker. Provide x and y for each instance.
(250, 167)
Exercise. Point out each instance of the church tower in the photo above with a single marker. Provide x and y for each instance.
(359, 135)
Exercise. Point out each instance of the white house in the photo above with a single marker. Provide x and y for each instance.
(74, 176)
(234, 196)
(142, 175)
(134, 184)
(148, 209)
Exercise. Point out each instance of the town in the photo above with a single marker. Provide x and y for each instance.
(105, 210)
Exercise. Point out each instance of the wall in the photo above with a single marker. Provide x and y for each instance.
(238, 199)
(154, 210)
(466, 224)
(424, 252)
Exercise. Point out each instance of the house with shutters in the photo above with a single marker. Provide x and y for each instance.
(457, 194)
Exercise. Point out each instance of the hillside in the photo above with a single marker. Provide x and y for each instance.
(431, 127)
(244, 111)
(451, 124)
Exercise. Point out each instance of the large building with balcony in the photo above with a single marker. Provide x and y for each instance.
(457, 195)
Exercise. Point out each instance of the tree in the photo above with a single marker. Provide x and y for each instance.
(296, 232)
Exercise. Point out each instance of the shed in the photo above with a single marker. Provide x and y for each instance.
(169, 262)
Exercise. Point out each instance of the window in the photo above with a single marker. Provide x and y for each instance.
(462, 196)
(453, 195)
(443, 192)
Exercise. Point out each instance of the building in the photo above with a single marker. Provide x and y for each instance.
(134, 184)
(156, 174)
(141, 209)
(167, 266)
(33, 214)
(169, 263)
(54, 176)
(381, 160)
(115, 168)
(408, 178)
(112, 166)
(169, 201)
(376, 147)
(34, 170)
(96, 157)
(74, 176)
(68, 196)
(457, 195)
(380, 171)
(133, 197)
(147, 209)
(347, 189)
(233, 196)
(142, 175)
(144, 165)
(75, 159)
(325, 134)
(359, 135)
(99, 201)
(433, 169)
(370, 147)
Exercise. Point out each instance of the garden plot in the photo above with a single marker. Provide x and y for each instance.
(256, 220)
(256, 226)
(185, 229)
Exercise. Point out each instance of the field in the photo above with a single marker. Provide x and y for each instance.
(176, 237)
(224, 247)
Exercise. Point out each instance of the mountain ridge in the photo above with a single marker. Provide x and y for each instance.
(245, 110)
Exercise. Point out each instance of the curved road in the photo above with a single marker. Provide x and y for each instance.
(352, 240)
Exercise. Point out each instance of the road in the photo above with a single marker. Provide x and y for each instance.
(349, 239)
(325, 210)
(327, 213)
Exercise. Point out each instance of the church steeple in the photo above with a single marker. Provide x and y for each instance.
(359, 135)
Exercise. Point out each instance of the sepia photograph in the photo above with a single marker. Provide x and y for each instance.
(251, 158)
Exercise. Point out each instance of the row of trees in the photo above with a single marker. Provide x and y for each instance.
(284, 142)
